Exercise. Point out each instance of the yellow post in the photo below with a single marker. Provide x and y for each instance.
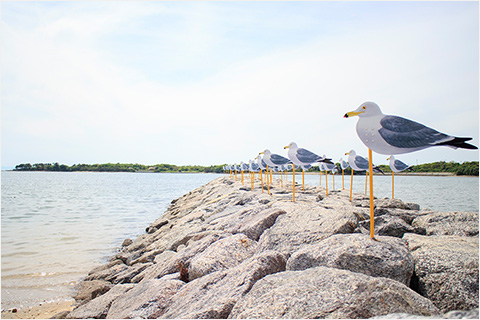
(333, 174)
(235, 175)
(303, 179)
(343, 184)
(268, 182)
(320, 176)
(326, 181)
(252, 176)
(351, 185)
(293, 182)
(392, 185)
(242, 177)
(261, 177)
(366, 181)
(372, 217)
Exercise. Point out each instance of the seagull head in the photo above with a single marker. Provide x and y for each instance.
(292, 145)
(366, 109)
(351, 152)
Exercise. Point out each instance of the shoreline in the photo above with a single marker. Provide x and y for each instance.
(415, 174)
(44, 310)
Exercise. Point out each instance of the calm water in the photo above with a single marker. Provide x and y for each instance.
(58, 226)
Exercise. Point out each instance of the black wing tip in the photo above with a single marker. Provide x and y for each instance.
(458, 142)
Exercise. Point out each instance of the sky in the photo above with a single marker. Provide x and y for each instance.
(207, 83)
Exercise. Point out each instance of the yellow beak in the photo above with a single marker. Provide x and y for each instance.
(352, 114)
(286, 147)
(347, 153)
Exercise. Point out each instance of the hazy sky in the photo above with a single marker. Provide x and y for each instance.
(218, 82)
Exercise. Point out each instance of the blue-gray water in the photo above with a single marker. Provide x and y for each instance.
(58, 226)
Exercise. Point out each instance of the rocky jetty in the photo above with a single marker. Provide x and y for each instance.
(225, 251)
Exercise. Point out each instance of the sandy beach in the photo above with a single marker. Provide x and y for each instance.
(43, 311)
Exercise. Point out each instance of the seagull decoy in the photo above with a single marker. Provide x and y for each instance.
(397, 166)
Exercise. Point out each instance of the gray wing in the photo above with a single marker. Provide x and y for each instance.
(399, 165)
(264, 164)
(306, 156)
(403, 133)
(344, 165)
(361, 162)
(278, 159)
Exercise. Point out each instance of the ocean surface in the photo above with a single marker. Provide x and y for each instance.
(57, 226)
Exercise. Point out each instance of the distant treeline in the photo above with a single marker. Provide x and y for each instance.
(469, 168)
(116, 167)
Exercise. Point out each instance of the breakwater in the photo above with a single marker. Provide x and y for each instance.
(224, 251)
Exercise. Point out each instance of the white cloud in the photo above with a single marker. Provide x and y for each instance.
(67, 90)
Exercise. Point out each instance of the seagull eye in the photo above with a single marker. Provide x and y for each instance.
(364, 107)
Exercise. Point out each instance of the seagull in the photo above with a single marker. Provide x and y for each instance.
(262, 166)
(303, 158)
(274, 160)
(397, 165)
(344, 165)
(387, 134)
(359, 163)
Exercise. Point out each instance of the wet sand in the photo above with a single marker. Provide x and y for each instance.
(43, 311)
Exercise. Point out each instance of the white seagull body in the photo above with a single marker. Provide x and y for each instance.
(302, 157)
(274, 160)
(397, 165)
(386, 134)
(359, 163)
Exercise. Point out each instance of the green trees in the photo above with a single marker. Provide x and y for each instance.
(469, 168)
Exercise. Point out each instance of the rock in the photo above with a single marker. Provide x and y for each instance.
(60, 315)
(457, 314)
(254, 225)
(144, 300)
(307, 223)
(127, 242)
(446, 270)
(89, 290)
(107, 273)
(98, 307)
(388, 257)
(449, 223)
(461, 314)
(323, 292)
(222, 254)
(387, 225)
(196, 245)
(214, 295)
(126, 275)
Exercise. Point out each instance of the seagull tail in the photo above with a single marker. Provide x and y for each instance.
(457, 142)
(377, 169)
(327, 160)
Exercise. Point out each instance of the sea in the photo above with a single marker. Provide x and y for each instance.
(57, 226)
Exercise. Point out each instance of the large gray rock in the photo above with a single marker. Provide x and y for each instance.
(88, 290)
(387, 225)
(222, 254)
(323, 292)
(145, 300)
(214, 295)
(307, 223)
(254, 225)
(98, 307)
(170, 262)
(446, 269)
(449, 223)
(385, 257)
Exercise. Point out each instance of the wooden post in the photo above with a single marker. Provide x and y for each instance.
(372, 217)
(293, 182)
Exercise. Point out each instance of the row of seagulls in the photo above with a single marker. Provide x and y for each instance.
(391, 135)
